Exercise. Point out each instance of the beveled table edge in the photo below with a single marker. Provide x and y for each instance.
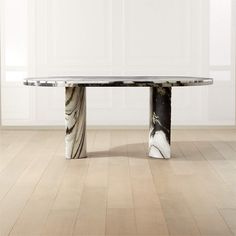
(117, 81)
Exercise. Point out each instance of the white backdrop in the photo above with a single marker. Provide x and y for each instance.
(127, 37)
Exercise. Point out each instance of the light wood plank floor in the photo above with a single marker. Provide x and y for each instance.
(118, 190)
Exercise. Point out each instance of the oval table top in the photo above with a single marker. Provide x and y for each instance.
(117, 81)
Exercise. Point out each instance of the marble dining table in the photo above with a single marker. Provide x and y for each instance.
(160, 106)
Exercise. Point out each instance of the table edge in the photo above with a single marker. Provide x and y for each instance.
(129, 83)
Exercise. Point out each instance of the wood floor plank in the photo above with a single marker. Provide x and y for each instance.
(208, 151)
(225, 170)
(16, 167)
(90, 138)
(120, 221)
(11, 145)
(232, 144)
(229, 216)
(118, 189)
(136, 146)
(190, 151)
(176, 153)
(90, 222)
(210, 222)
(151, 221)
(119, 183)
(165, 180)
(63, 213)
(119, 145)
(143, 188)
(120, 194)
(23, 188)
(69, 194)
(225, 149)
(101, 144)
(59, 222)
(177, 215)
(92, 212)
(97, 174)
(35, 213)
(25, 157)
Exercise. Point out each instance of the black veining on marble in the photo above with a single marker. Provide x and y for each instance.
(75, 118)
(160, 121)
(117, 81)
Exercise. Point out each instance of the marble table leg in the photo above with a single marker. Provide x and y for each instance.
(75, 119)
(160, 122)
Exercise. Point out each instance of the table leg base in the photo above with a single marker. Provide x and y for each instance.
(75, 119)
(160, 122)
(159, 147)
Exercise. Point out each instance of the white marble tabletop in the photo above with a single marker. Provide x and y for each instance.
(119, 81)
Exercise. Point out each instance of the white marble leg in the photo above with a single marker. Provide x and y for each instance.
(160, 122)
(75, 119)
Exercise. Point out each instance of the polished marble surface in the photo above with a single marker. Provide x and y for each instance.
(75, 121)
(119, 81)
(160, 106)
(160, 122)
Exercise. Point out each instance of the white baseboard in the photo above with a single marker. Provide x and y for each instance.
(114, 127)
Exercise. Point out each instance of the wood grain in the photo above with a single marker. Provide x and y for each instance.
(118, 190)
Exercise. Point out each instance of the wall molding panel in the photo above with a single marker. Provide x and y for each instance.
(110, 37)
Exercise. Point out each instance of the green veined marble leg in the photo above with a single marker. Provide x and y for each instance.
(75, 119)
(160, 122)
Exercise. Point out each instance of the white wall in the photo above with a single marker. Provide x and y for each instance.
(128, 37)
